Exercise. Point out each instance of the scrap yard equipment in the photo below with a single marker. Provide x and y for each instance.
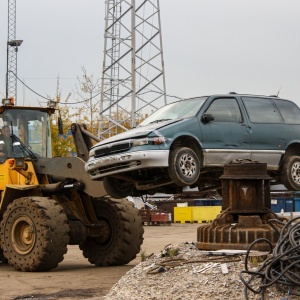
(47, 202)
(246, 210)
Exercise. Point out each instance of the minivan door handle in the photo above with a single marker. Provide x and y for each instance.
(248, 129)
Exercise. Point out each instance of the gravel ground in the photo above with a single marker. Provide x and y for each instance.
(188, 275)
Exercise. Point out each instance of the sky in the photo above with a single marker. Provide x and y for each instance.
(210, 46)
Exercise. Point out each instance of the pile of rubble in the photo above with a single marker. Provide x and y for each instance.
(183, 272)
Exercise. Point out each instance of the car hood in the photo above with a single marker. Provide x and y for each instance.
(138, 132)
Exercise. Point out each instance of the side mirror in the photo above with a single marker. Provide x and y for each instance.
(206, 118)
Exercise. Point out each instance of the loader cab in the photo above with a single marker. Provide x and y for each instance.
(29, 131)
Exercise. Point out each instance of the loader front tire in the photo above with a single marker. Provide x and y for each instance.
(2, 258)
(117, 188)
(34, 234)
(125, 238)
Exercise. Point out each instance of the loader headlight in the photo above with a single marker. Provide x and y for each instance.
(17, 163)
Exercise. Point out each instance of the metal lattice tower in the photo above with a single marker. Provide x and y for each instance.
(133, 77)
(12, 49)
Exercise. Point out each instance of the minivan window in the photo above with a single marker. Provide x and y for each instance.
(262, 110)
(177, 110)
(225, 110)
(289, 111)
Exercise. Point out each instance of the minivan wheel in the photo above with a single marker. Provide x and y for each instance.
(117, 188)
(184, 166)
(290, 173)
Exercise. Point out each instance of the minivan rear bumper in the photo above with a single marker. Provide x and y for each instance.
(129, 161)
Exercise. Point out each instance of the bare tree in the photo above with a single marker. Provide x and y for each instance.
(89, 89)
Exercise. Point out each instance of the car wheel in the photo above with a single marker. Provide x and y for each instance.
(184, 166)
(117, 188)
(290, 173)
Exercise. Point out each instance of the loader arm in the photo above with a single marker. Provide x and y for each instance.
(82, 140)
(73, 167)
(69, 167)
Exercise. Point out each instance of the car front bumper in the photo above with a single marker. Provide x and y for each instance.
(125, 162)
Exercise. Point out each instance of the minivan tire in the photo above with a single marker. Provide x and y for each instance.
(117, 188)
(290, 173)
(184, 166)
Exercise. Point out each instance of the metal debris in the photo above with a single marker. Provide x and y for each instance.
(184, 281)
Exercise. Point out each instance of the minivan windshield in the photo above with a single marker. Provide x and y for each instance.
(177, 110)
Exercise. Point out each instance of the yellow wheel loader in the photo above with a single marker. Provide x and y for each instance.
(48, 203)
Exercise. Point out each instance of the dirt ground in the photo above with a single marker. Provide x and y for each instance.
(76, 278)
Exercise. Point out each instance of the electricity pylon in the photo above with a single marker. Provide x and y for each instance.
(133, 76)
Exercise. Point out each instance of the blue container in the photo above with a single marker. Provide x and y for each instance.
(287, 204)
(217, 202)
(277, 204)
(297, 204)
(202, 202)
(208, 202)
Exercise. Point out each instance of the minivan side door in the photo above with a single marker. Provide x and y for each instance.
(268, 134)
(225, 138)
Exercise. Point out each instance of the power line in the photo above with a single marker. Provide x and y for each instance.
(79, 102)
(29, 87)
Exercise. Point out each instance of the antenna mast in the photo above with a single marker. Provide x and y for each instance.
(133, 76)
(12, 49)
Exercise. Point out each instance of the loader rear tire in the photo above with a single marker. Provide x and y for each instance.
(125, 238)
(34, 234)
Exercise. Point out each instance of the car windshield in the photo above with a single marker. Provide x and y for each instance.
(177, 110)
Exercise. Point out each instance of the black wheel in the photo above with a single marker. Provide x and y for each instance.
(34, 234)
(2, 257)
(124, 238)
(117, 188)
(220, 191)
(290, 173)
(184, 166)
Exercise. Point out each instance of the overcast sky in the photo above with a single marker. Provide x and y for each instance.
(210, 46)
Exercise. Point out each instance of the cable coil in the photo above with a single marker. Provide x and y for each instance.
(282, 268)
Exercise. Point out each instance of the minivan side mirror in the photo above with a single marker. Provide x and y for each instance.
(206, 118)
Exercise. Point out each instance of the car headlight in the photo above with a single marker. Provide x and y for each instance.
(139, 142)
(92, 153)
(156, 140)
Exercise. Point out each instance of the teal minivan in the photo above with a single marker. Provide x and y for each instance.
(187, 143)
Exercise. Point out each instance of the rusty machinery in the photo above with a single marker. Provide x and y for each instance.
(246, 210)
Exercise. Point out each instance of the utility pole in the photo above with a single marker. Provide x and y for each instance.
(12, 50)
(133, 76)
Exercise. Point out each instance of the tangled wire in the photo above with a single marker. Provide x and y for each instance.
(282, 268)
